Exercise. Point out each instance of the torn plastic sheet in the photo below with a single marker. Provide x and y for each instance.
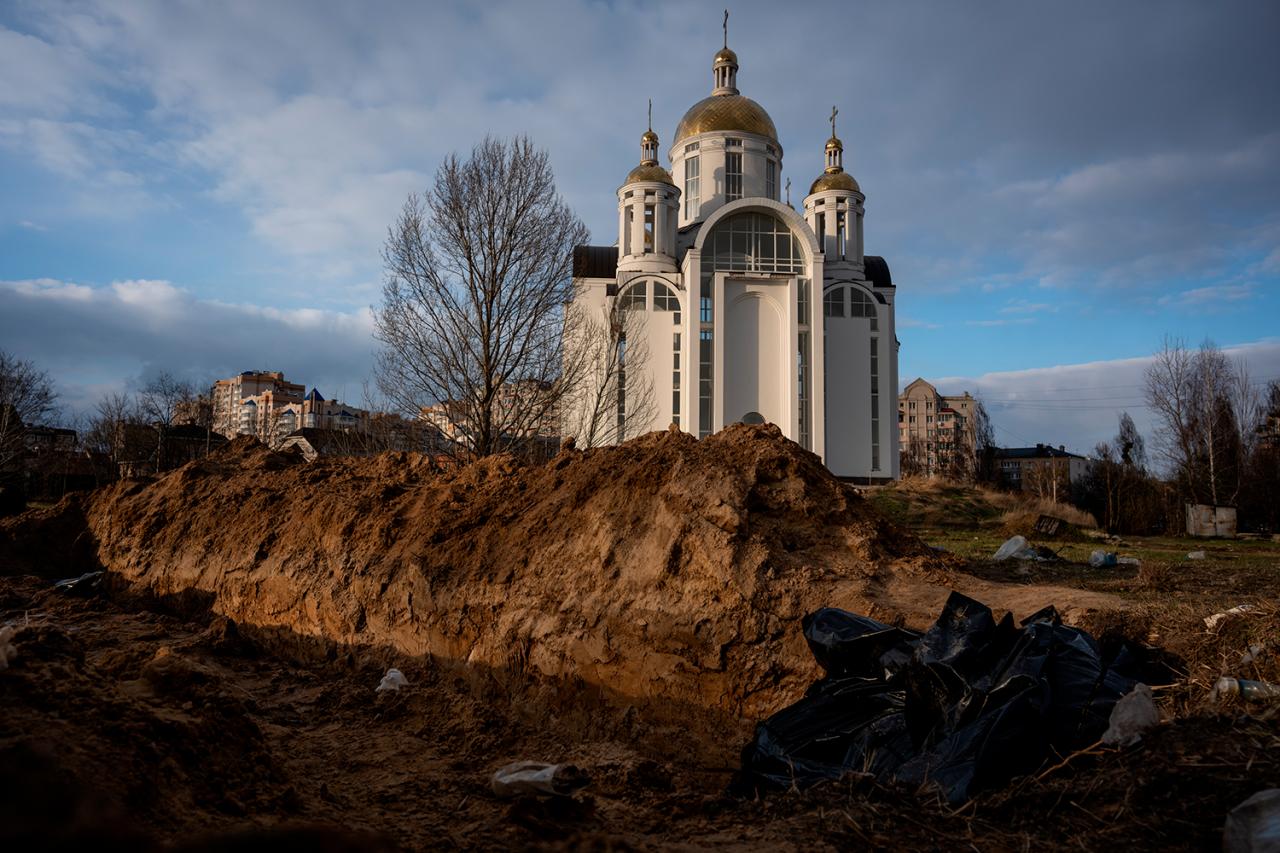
(966, 706)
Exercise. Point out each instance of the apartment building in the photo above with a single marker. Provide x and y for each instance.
(1047, 471)
(229, 396)
(935, 432)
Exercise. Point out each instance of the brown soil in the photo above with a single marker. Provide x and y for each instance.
(668, 568)
(630, 610)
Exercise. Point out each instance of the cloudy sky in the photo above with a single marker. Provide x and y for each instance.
(204, 187)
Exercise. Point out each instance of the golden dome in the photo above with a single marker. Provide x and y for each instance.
(726, 112)
(649, 173)
(834, 144)
(649, 136)
(725, 55)
(835, 181)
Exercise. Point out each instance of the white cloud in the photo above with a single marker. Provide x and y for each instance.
(91, 337)
(1079, 404)
(1211, 298)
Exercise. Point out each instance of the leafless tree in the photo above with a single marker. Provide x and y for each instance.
(984, 445)
(161, 399)
(27, 398)
(112, 417)
(478, 271)
(1206, 408)
(611, 403)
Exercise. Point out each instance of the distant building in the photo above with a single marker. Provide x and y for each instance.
(1048, 471)
(515, 401)
(935, 432)
(272, 421)
(229, 395)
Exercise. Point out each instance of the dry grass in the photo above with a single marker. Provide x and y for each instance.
(1019, 505)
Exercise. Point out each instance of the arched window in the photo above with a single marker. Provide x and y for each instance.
(633, 297)
(860, 304)
(664, 299)
(846, 300)
(754, 242)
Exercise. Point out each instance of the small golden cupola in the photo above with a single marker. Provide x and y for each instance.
(834, 177)
(649, 170)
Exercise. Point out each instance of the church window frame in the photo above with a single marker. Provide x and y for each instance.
(692, 185)
(650, 219)
(754, 242)
(732, 175)
(771, 179)
(665, 299)
(633, 297)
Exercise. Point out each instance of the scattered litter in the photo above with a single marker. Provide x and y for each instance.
(1254, 825)
(1049, 525)
(1196, 555)
(8, 651)
(393, 680)
(1011, 548)
(1215, 621)
(86, 584)
(1018, 548)
(1255, 651)
(1129, 561)
(1131, 717)
(1101, 559)
(538, 779)
(1250, 691)
(967, 706)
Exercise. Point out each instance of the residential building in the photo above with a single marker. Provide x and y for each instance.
(936, 432)
(750, 311)
(229, 395)
(271, 417)
(1048, 471)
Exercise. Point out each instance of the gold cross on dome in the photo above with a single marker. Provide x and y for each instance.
(726, 27)
(834, 113)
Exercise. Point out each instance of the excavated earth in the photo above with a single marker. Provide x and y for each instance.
(633, 610)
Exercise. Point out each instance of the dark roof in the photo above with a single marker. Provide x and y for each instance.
(876, 270)
(49, 431)
(1040, 451)
(595, 261)
(315, 395)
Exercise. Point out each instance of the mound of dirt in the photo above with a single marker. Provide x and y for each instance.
(666, 568)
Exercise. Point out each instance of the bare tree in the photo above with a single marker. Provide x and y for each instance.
(1206, 408)
(160, 402)
(161, 399)
(610, 403)
(984, 445)
(27, 398)
(478, 271)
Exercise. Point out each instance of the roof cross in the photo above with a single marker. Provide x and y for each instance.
(834, 113)
(726, 27)
(651, 113)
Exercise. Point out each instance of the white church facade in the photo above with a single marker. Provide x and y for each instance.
(738, 307)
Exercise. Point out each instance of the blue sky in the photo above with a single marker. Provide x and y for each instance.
(204, 188)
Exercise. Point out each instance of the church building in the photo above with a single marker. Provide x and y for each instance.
(728, 305)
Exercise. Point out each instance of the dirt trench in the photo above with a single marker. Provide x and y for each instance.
(667, 568)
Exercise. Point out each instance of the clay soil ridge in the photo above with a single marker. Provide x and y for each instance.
(667, 568)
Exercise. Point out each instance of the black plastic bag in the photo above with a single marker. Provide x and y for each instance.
(966, 706)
